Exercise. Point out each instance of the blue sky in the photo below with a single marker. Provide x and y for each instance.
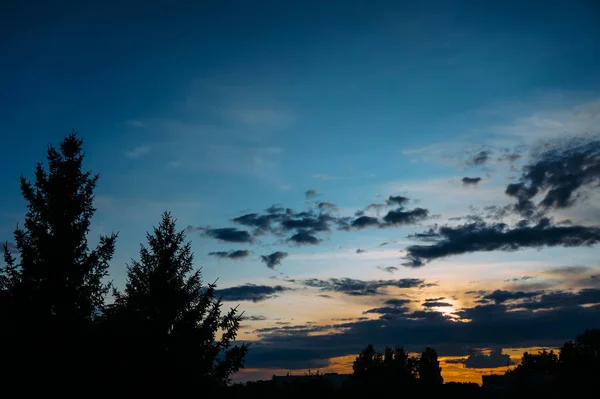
(223, 108)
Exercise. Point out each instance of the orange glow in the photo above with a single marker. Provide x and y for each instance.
(452, 372)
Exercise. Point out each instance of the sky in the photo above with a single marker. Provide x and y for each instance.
(385, 172)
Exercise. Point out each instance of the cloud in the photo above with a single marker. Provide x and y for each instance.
(303, 237)
(274, 209)
(138, 151)
(480, 360)
(361, 251)
(323, 176)
(399, 217)
(397, 200)
(255, 318)
(250, 292)
(135, 123)
(273, 259)
(479, 158)
(558, 299)
(326, 206)
(482, 237)
(484, 326)
(375, 207)
(307, 220)
(237, 254)
(230, 234)
(364, 221)
(389, 269)
(387, 310)
(397, 302)
(558, 171)
(354, 287)
(262, 117)
(471, 181)
(501, 296)
(436, 304)
(260, 222)
(308, 194)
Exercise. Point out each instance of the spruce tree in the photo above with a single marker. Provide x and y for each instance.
(172, 323)
(53, 289)
(55, 278)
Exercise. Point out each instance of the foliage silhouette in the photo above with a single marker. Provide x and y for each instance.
(168, 323)
(574, 369)
(57, 279)
(430, 372)
(53, 290)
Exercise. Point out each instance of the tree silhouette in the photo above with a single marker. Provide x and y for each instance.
(53, 290)
(171, 320)
(430, 372)
(57, 278)
(374, 369)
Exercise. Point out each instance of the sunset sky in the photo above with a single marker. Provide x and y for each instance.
(352, 172)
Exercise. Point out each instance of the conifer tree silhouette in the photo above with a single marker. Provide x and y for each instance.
(172, 320)
(52, 291)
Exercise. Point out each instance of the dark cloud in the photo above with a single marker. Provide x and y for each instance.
(361, 251)
(481, 236)
(310, 194)
(307, 221)
(237, 254)
(326, 206)
(387, 310)
(480, 360)
(562, 299)
(479, 158)
(471, 181)
(273, 259)
(490, 326)
(364, 221)
(400, 217)
(558, 172)
(501, 296)
(229, 234)
(250, 292)
(274, 209)
(397, 200)
(303, 237)
(255, 318)
(436, 304)
(260, 222)
(354, 287)
(389, 269)
(397, 302)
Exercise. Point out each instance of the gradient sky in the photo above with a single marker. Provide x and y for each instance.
(225, 108)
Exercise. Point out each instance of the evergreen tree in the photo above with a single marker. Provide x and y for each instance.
(56, 279)
(174, 324)
(52, 290)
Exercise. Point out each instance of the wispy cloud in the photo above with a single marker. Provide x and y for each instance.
(138, 152)
(260, 117)
(135, 123)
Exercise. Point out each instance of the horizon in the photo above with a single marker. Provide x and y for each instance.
(381, 173)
